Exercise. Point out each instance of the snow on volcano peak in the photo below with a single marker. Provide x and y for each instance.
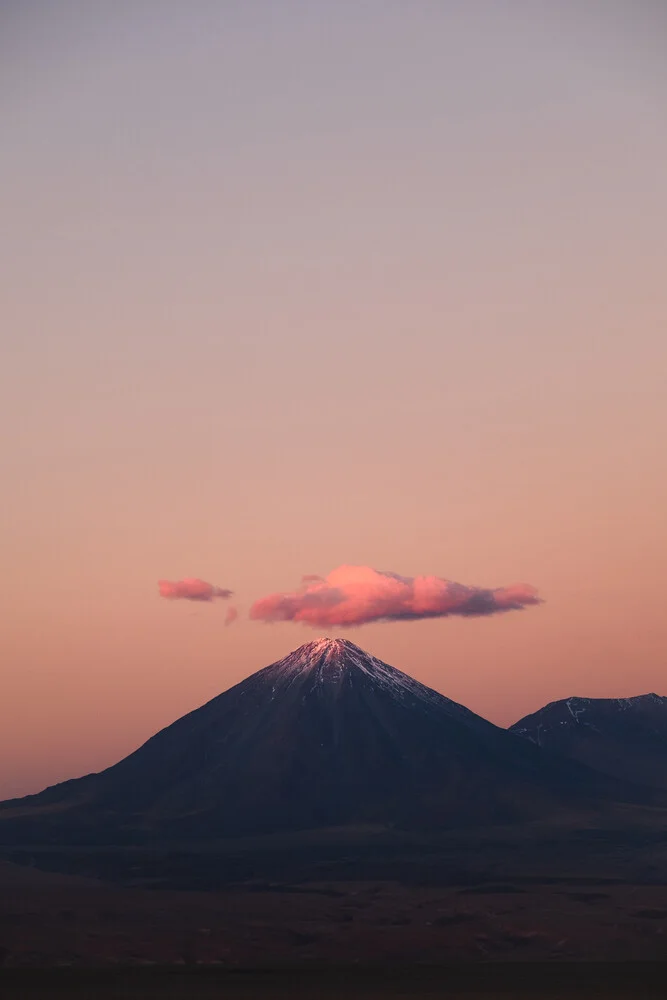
(327, 662)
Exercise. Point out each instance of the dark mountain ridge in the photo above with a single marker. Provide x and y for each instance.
(327, 736)
(624, 737)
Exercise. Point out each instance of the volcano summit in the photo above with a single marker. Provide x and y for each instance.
(327, 736)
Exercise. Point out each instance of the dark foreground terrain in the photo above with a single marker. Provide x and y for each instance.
(530, 981)
(328, 914)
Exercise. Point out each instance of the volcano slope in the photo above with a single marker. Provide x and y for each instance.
(328, 736)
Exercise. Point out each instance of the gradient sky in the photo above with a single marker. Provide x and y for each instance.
(290, 285)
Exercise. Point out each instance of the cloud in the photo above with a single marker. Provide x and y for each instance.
(355, 595)
(231, 616)
(191, 589)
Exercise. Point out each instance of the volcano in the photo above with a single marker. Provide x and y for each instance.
(625, 737)
(327, 736)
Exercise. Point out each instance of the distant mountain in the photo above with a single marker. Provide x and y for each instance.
(327, 736)
(625, 737)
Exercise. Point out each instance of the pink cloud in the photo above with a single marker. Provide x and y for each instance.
(191, 589)
(231, 616)
(355, 595)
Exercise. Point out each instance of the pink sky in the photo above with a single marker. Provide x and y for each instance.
(381, 287)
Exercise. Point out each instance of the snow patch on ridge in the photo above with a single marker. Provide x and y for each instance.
(573, 711)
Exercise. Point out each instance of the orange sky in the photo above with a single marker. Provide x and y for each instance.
(379, 286)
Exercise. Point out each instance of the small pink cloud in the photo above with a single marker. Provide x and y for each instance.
(356, 595)
(191, 589)
(231, 616)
